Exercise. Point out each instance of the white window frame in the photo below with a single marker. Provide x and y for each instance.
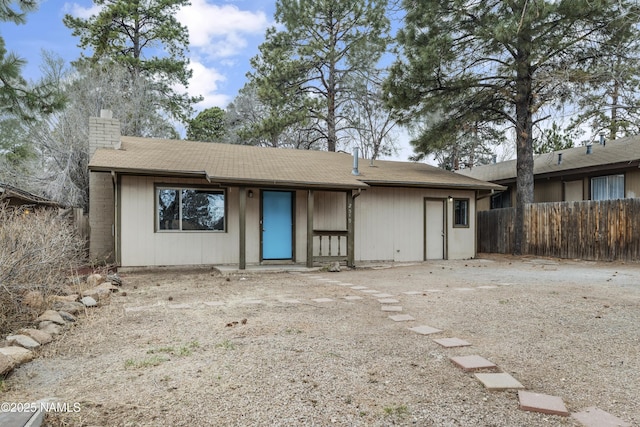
(601, 187)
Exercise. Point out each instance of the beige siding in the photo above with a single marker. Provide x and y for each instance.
(547, 191)
(573, 191)
(142, 245)
(632, 184)
(390, 225)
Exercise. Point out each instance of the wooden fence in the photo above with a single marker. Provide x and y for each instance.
(591, 230)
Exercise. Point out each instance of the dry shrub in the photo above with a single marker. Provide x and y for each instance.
(38, 249)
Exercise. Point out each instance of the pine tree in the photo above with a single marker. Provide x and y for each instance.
(498, 62)
(146, 37)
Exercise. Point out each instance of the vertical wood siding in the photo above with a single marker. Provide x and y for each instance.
(605, 230)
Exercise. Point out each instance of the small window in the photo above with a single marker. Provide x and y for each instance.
(607, 187)
(460, 212)
(190, 209)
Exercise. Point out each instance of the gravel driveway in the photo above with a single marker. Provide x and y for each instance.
(199, 348)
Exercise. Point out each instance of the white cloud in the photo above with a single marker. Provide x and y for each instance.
(205, 82)
(220, 30)
(78, 11)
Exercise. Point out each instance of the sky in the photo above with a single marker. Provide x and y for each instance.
(223, 36)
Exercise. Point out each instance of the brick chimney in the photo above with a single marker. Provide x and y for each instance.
(104, 132)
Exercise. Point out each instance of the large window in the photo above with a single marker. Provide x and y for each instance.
(607, 187)
(460, 212)
(190, 209)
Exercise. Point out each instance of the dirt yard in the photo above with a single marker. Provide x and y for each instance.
(199, 348)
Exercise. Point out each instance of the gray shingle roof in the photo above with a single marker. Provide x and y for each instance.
(614, 152)
(249, 165)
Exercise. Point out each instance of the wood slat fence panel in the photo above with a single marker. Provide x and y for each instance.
(605, 230)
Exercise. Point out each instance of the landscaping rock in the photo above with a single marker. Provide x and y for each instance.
(115, 279)
(41, 336)
(6, 364)
(68, 317)
(50, 327)
(51, 316)
(19, 355)
(33, 299)
(108, 286)
(94, 280)
(70, 307)
(334, 267)
(89, 302)
(65, 298)
(97, 294)
(23, 341)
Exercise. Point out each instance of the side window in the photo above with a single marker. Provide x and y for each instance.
(460, 212)
(607, 187)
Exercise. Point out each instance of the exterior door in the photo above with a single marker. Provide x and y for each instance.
(434, 229)
(277, 225)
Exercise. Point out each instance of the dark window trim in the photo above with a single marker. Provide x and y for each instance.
(178, 186)
(468, 215)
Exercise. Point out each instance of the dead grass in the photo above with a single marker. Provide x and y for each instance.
(37, 251)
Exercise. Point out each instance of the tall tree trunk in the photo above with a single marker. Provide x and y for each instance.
(524, 146)
(613, 126)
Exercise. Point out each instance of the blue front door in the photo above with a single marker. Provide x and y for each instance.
(277, 225)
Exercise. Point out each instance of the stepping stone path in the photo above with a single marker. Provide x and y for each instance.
(544, 403)
(528, 401)
(352, 298)
(213, 303)
(472, 363)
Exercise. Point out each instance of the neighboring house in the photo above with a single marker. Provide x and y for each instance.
(15, 197)
(602, 171)
(166, 202)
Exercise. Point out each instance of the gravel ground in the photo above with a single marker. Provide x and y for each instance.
(161, 356)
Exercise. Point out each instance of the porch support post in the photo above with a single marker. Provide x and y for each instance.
(310, 229)
(350, 230)
(242, 229)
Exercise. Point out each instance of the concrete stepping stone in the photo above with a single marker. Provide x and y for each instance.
(253, 301)
(425, 330)
(500, 381)
(487, 287)
(464, 289)
(345, 284)
(383, 295)
(359, 288)
(180, 306)
(290, 301)
(402, 318)
(213, 303)
(352, 298)
(322, 300)
(391, 308)
(472, 363)
(594, 417)
(432, 291)
(413, 293)
(370, 291)
(544, 403)
(388, 301)
(452, 342)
